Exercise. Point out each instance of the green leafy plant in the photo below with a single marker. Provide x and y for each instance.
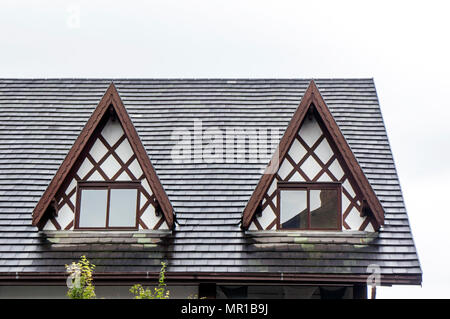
(159, 292)
(80, 280)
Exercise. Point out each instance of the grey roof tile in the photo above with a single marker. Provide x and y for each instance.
(40, 119)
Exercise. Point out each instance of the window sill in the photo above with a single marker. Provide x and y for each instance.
(312, 233)
(107, 233)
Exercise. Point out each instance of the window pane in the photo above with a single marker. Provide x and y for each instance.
(324, 208)
(293, 209)
(122, 209)
(93, 208)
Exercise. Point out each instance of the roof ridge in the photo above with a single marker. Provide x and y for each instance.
(187, 78)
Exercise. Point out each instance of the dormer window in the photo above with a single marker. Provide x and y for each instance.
(107, 205)
(107, 180)
(309, 206)
(313, 181)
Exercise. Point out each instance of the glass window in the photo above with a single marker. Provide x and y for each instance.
(93, 208)
(324, 208)
(293, 208)
(107, 205)
(309, 206)
(122, 209)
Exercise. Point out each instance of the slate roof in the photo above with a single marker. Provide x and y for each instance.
(41, 118)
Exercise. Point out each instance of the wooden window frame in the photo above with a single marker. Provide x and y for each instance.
(108, 186)
(308, 187)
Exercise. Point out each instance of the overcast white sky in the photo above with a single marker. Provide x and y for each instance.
(403, 45)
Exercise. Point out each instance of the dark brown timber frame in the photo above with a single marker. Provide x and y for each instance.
(313, 99)
(111, 98)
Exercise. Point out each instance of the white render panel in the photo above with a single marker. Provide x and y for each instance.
(71, 186)
(310, 131)
(268, 215)
(146, 186)
(324, 151)
(324, 178)
(296, 178)
(123, 177)
(142, 201)
(49, 225)
(164, 226)
(65, 216)
(124, 151)
(252, 227)
(273, 187)
(110, 166)
(369, 228)
(285, 169)
(73, 199)
(345, 202)
(148, 217)
(354, 220)
(274, 201)
(96, 177)
(296, 151)
(112, 132)
(85, 167)
(98, 150)
(348, 188)
(135, 168)
(336, 169)
(311, 167)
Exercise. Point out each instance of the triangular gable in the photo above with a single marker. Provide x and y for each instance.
(109, 130)
(264, 195)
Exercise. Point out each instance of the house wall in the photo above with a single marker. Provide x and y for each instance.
(108, 292)
(309, 136)
(285, 292)
(112, 152)
(192, 291)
